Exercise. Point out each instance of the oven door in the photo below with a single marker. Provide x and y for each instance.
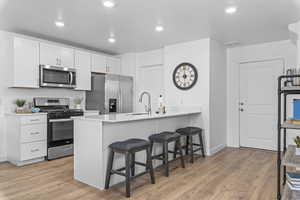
(51, 76)
(60, 132)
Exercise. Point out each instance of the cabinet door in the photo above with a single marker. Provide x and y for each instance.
(98, 63)
(56, 55)
(49, 54)
(83, 70)
(66, 57)
(113, 65)
(26, 63)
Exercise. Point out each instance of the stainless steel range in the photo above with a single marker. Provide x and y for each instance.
(60, 125)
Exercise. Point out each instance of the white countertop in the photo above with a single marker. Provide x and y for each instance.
(26, 114)
(123, 117)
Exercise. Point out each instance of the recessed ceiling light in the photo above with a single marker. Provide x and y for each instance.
(231, 9)
(159, 28)
(59, 24)
(109, 3)
(111, 40)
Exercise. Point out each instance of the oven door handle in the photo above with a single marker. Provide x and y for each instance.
(60, 120)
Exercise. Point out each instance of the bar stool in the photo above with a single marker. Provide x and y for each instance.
(129, 148)
(165, 138)
(189, 132)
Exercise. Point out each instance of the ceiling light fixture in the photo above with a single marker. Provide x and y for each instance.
(111, 40)
(59, 24)
(231, 9)
(109, 3)
(159, 28)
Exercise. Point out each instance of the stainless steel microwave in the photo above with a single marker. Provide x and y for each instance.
(53, 76)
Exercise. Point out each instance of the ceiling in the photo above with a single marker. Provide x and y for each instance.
(88, 24)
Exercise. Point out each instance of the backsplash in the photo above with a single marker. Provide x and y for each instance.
(7, 101)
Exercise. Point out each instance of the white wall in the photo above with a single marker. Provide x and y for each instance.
(285, 50)
(218, 94)
(8, 95)
(197, 53)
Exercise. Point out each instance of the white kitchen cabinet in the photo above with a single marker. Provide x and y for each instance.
(83, 70)
(98, 63)
(56, 55)
(113, 65)
(25, 69)
(26, 138)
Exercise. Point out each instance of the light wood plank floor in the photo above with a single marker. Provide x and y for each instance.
(233, 174)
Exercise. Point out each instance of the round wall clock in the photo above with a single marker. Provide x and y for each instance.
(185, 76)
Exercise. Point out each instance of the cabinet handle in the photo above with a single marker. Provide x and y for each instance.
(34, 150)
(34, 133)
(34, 120)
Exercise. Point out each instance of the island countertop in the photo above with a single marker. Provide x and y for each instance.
(124, 117)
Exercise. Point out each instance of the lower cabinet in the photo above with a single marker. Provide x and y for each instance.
(26, 138)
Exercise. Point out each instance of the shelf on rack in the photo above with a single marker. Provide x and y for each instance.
(290, 159)
(289, 88)
(288, 194)
(288, 124)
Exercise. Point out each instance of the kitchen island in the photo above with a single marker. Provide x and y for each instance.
(93, 135)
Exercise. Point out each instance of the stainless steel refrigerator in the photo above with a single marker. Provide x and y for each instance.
(110, 94)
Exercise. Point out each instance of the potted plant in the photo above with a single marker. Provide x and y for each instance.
(20, 104)
(297, 141)
(77, 103)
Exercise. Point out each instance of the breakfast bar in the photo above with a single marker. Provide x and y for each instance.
(93, 135)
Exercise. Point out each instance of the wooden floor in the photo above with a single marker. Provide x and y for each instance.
(233, 174)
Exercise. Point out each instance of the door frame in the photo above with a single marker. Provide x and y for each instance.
(239, 87)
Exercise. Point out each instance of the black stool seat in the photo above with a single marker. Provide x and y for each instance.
(129, 148)
(188, 133)
(189, 130)
(131, 145)
(164, 137)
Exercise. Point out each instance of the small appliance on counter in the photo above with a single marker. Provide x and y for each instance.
(60, 125)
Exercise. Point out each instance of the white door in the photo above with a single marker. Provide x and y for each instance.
(56, 55)
(83, 70)
(26, 63)
(98, 63)
(150, 79)
(113, 65)
(258, 99)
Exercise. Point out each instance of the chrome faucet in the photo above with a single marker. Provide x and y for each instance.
(147, 108)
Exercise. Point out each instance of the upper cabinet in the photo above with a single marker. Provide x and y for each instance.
(113, 65)
(56, 55)
(98, 63)
(83, 70)
(25, 70)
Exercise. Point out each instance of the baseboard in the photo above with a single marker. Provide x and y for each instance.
(217, 149)
(2, 159)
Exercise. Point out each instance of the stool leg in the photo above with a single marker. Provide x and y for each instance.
(109, 168)
(166, 158)
(202, 145)
(132, 164)
(175, 151)
(191, 148)
(187, 145)
(150, 166)
(127, 173)
(177, 143)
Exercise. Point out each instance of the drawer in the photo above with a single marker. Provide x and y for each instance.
(33, 150)
(33, 133)
(33, 119)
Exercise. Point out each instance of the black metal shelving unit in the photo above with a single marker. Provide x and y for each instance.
(283, 192)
